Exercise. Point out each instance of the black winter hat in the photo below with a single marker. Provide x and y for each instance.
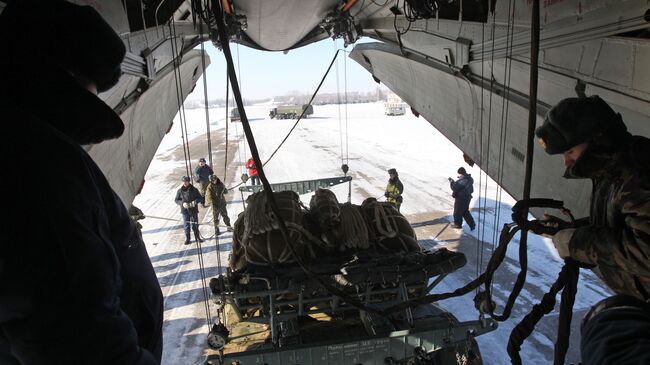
(577, 120)
(461, 170)
(392, 171)
(75, 38)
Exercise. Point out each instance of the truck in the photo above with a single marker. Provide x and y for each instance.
(291, 111)
(394, 105)
(234, 115)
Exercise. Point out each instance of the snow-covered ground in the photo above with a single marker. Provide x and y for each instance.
(316, 149)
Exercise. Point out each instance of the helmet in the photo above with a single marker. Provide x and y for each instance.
(185, 178)
(577, 120)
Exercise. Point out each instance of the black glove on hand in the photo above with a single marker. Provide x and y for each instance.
(387, 195)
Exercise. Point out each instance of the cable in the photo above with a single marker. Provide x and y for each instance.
(178, 99)
(338, 101)
(205, 94)
(188, 166)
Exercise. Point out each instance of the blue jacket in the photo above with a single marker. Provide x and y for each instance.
(188, 194)
(463, 187)
(202, 173)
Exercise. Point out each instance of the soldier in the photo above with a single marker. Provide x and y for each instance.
(188, 198)
(202, 176)
(214, 195)
(615, 237)
(78, 287)
(394, 189)
(462, 190)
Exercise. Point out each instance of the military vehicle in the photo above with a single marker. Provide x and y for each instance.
(234, 115)
(291, 111)
(394, 105)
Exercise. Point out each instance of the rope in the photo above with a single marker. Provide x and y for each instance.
(204, 285)
(347, 135)
(479, 222)
(178, 98)
(225, 157)
(567, 281)
(240, 83)
(526, 326)
(338, 100)
(205, 94)
(354, 231)
(188, 165)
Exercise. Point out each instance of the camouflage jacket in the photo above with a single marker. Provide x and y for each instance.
(617, 238)
(214, 193)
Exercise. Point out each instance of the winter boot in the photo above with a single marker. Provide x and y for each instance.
(229, 228)
(187, 239)
(456, 226)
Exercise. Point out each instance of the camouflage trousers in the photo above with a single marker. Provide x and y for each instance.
(203, 185)
(220, 210)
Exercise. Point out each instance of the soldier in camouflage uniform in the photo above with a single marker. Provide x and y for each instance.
(214, 195)
(616, 236)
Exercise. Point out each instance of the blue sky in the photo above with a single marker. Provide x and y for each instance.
(265, 74)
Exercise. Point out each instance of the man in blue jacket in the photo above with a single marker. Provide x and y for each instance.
(202, 175)
(188, 198)
(462, 190)
(77, 285)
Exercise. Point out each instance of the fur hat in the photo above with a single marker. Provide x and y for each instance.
(577, 120)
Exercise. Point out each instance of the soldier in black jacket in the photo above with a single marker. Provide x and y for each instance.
(462, 190)
(77, 286)
(188, 198)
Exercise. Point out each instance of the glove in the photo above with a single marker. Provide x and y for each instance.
(450, 179)
(225, 191)
(561, 241)
(186, 205)
(386, 194)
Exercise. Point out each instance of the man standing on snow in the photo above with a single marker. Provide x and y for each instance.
(202, 176)
(462, 190)
(252, 171)
(78, 287)
(188, 198)
(214, 195)
(615, 237)
(394, 189)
